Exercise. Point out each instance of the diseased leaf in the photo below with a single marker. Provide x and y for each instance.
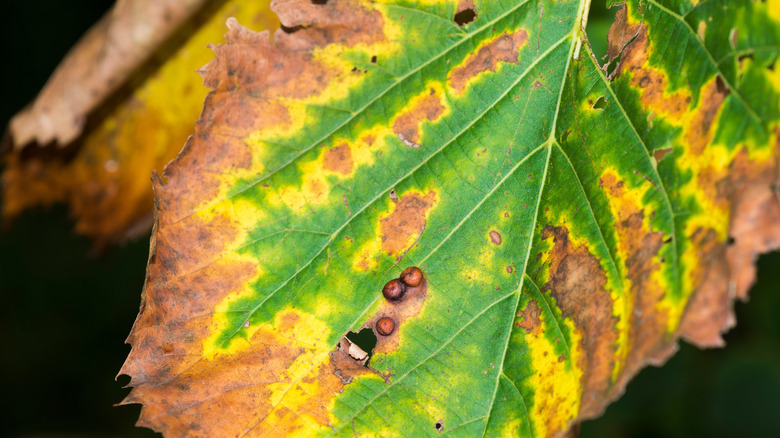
(570, 228)
(102, 168)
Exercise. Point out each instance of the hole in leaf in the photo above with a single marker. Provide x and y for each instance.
(439, 425)
(365, 339)
(612, 66)
(660, 154)
(668, 240)
(319, 2)
(565, 135)
(292, 29)
(373, 59)
(601, 103)
(730, 241)
(771, 65)
(465, 17)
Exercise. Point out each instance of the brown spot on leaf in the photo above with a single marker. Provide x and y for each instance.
(577, 283)
(700, 128)
(529, 317)
(339, 159)
(502, 49)
(660, 154)
(620, 34)
(650, 82)
(495, 237)
(406, 222)
(648, 339)
(407, 125)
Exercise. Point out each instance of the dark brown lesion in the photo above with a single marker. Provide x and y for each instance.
(529, 317)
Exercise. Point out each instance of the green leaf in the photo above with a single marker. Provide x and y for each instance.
(570, 227)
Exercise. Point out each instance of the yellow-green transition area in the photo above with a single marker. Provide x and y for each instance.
(557, 209)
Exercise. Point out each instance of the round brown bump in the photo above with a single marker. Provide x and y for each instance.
(385, 326)
(394, 290)
(412, 276)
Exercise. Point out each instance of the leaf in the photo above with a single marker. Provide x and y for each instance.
(110, 114)
(570, 228)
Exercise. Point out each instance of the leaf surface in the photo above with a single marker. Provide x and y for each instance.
(569, 227)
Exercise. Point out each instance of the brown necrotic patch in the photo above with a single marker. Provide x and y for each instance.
(700, 128)
(191, 402)
(406, 222)
(495, 237)
(529, 317)
(503, 49)
(651, 83)
(339, 159)
(648, 338)
(577, 282)
(407, 125)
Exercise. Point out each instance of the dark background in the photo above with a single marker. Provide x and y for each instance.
(65, 312)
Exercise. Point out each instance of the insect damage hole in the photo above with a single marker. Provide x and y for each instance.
(439, 425)
(601, 103)
(465, 17)
(365, 340)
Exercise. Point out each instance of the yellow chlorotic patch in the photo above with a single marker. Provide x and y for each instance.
(298, 384)
(773, 9)
(556, 383)
(214, 344)
(625, 202)
(366, 257)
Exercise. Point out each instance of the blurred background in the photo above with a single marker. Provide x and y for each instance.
(66, 311)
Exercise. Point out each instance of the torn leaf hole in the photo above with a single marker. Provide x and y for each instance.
(667, 240)
(611, 69)
(601, 103)
(439, 425)
(319, 2)
(292, 29)
(660, 154)
(730, 241)
(365, 341)
(465, 17)
(771, 65)
(373, 59)
(565, 135)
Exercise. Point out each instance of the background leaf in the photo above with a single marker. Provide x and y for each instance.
(117, 108)
(560, 248)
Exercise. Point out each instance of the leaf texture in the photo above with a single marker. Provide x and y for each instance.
(571, 221)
